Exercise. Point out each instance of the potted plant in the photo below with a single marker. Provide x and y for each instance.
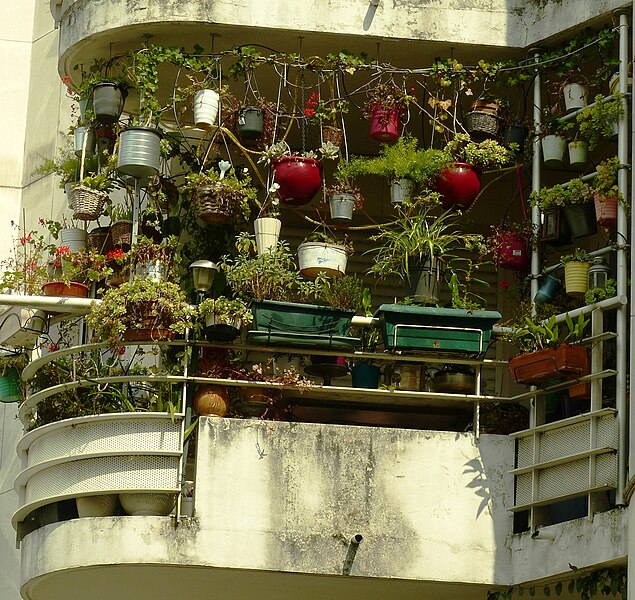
(318, 110)
(597, 294)
(460, 184)
(599, 121)
(11, 388)
(576, 273)
(223, 317)
(73, 271)
(404, 164)
(272, 282)
(156, 261)
(386, 105)
(483, 119)
(344, 197)
(606, 193)
(120, 224)
(510, 244)
(141, 310)
(299, 176)
(575, 201)
(553, 139)
(545, 357)
(267, 225)
(321, 253)
(574, 88)
(220, 197)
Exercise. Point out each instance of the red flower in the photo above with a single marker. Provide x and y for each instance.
(504, 284)
(309, 112)
(53, 347)
(116, 254)
(25, 239)
(62, 250)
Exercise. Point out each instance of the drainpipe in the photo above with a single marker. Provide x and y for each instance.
(623, 320)
(353, 545)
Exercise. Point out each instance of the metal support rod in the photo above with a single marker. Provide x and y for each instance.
(536, 178)
(622, 265)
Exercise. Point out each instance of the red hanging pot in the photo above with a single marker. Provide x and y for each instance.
(385, 124)
(459, 185)
(299, 179)
(512, 252)
(605, 210)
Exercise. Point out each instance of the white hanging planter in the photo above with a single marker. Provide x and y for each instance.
(206, 107)
(342, 206)
(400, 190)
(317, 257)
(102, 505)
(267, 230)
(145, 504)
(84, 136)
(578, 154)
(74, 238)
(553, 149)
(575, 96)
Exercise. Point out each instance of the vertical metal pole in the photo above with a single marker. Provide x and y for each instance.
(622, 267)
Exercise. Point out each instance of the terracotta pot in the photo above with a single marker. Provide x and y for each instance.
(605, 210)
(70, 290)
(211, 401)
(566, 361)
(459, 185)
(384, 124)
(299, 179)
(148, 334)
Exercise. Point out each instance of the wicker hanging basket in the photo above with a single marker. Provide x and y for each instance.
(99, 240)
(215, 202)
(121, 234)
(87, 203)
(482, 123)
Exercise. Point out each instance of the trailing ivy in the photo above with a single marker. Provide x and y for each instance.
(605, 582)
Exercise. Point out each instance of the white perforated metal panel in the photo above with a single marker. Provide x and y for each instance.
(608, 432)
(103, 475)
(606, 470)
(523, 489)
(129, 435)
(564, 441)
(564, 479)
(525, 452)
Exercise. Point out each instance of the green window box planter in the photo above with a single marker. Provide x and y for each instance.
(436, 329)
(305, 325)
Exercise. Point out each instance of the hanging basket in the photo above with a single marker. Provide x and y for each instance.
(578, 154)
(513, 133)
(206, 108)
(581, 219)
(384, 124)
(482, 124)
(215, 202)
(299, 179)
(512, 252)
(332, 134)
(267, 231)
(553, 149)
(605, 210)
(342, 207)
(575, 96)
(459, 185)
(121, 234)
(87, 202)
(317, 257)
(99, 240)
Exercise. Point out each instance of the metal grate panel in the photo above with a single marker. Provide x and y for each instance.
(606, 470)
(523, 489)
(608, 432)
(525, 452)
(564, 441)
(104, 474)
(119, 435)
(563, 479)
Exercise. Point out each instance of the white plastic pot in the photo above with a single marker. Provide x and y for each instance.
(342, 206)
(267, 230)
(206, 106)
(317, 257)
(575, 96)
(553, 149)
(578, 154)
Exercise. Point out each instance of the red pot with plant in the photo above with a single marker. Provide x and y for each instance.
(299, 178)
(385, 124)
(385, 108)
(510, 244)
(459, 185)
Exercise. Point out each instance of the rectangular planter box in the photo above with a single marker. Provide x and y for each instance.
(436, 329)
(304, 325)
(566, 361)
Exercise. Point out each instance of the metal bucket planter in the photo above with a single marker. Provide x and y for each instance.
(85, 141)
(575, 96)
(514, 134)
(567, 361)
(576, 278)
(108, 101)
(206, 108)
(299, 179)
(459, 185)
(139, 152)
(385, 124)
(436, 329)
(267, 230)
(578, 154)
(320, 257)
(553, 149)
(401, 190)
(250, 124)
(342, 207)
(581, 219)
(548, 290)
(605, 209)
(73, 237)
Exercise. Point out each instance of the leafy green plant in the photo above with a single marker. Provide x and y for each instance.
(596, 121)
(576, 192)
(488, 154)
(144, 303)
(579, 254)
(387, 98)
(225, 310)
(598, 294)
